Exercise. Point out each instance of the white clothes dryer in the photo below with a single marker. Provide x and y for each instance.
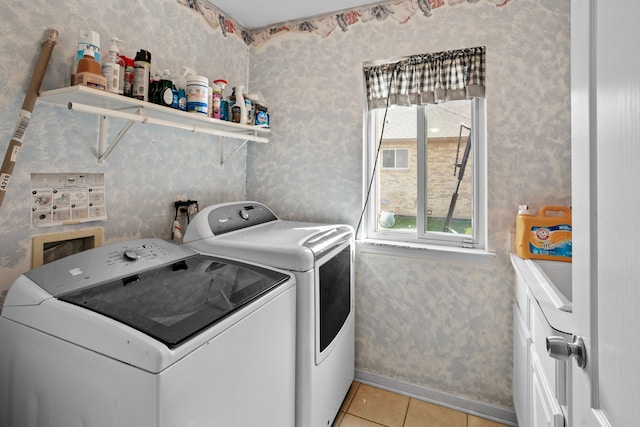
(148, 333)
(321, 257)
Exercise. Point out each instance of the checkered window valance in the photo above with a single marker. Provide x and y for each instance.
(427, 79)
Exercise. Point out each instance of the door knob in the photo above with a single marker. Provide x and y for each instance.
(560, 349)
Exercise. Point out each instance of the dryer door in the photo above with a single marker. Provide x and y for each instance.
(334, 298)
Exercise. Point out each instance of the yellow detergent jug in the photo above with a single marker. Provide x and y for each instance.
(545, 236)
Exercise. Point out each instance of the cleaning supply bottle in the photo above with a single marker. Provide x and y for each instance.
(239, 108)
(248, 102)
(128, 76)
(546, 236)
(181, 86)
(113, 68)
(216, 96)
(141, 75)
(210, 100)
(89, 39)
(86, 39)
(166, 89)
(154, 89)
(88, 73)
(197, 92)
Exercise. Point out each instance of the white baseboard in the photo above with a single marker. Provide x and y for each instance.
(495, 413)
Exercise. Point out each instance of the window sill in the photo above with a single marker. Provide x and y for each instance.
(416, 250)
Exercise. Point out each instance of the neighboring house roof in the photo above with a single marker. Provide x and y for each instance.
(444, 120)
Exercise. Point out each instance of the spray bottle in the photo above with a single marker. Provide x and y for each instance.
(113, 68)
(141, 75)
(239, 109)
(128, 75)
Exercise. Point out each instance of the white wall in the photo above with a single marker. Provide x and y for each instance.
(441, 325)
(152, 165)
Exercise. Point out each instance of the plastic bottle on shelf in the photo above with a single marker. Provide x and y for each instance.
(154, 89)
(113, 68)
(217, 88)
(181, 92)
(239, 108)
(88, 39)
(166, 89)
(248, 102)
(197, 92)
(141, 75)
(85, 39)
(210, 100)
(127, 85)
(224, 109)
(88, 73)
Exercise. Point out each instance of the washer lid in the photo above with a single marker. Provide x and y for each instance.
(175, 302)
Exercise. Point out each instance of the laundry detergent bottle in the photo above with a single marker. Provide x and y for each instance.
(545, 236)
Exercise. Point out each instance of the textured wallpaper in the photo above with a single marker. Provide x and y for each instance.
(441, 325)
(152, 165)
(445, 326)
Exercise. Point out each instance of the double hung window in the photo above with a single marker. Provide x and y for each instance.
(425, 152)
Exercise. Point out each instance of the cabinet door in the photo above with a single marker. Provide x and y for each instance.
(521, 342)
(545, 410)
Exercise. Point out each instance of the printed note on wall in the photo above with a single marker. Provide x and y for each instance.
(67, 198)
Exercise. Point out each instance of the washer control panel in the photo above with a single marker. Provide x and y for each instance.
(106, 263)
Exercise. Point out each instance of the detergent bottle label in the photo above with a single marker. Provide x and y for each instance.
(554, 240)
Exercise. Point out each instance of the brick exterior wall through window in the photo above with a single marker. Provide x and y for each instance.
(398, 186)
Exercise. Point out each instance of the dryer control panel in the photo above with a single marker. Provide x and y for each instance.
(235, 216)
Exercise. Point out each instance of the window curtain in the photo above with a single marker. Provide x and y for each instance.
(427, 79)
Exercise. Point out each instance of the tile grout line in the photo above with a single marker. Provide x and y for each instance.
(354, 392)
(406, 412)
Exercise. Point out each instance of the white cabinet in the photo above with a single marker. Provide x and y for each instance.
(105, 104)
(521, 344)
(545, 410)
(539, 382)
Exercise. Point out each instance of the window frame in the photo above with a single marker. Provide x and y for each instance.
(417, 238)
(395, 159)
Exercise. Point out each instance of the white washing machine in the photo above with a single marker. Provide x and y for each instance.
(320, 256)
(148, 333)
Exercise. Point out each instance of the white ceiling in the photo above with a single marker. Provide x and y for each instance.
(253, 14)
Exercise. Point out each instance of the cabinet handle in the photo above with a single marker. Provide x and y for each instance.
(560, 349)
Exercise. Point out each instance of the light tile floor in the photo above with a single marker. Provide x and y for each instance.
(367, 406)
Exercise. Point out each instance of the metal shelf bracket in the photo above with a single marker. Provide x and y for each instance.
(104, 153)
(222, 158)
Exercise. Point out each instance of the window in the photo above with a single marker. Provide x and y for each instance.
(431, 106)
(395, 158)
(441, 198)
